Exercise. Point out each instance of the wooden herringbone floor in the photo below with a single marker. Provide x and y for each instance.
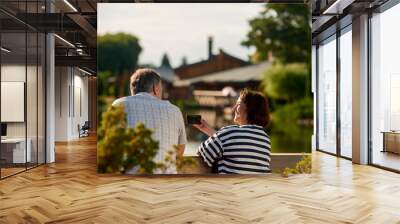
(70, 191)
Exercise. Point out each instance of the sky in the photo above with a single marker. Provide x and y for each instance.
(180, 29)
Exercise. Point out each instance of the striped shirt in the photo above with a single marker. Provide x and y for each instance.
(237, 149)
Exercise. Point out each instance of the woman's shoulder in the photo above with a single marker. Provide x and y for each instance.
(252, 129)
(256, 127)
(228, 128)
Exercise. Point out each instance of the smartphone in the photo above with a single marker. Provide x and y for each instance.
(193, 119)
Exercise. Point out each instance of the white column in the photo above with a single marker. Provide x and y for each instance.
(62, 103)
(50, 94)
(360, 90)
(314, 91)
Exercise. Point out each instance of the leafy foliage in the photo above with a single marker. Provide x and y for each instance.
(172, 160)
(184, 61)
(301, 109)
(283, 29)
(286, 82)
(121, 148)
(165, 61)
(291, 125)
(118, 53)
(303, 166)
(103, 86)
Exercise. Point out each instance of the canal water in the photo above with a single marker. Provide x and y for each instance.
(285, 137)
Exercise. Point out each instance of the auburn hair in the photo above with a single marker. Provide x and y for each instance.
(256, 106)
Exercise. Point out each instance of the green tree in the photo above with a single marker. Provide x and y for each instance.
(103, 86)
(120, 148)
(184, 61)
(284, 30)
(286, 82)
(303, 166)
(118, 53)
(301, 109)
(165, 61)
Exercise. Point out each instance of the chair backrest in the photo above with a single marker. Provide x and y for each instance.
(86, 125)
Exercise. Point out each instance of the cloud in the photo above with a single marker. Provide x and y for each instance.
(180, 28)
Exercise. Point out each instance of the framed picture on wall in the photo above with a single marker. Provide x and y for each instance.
(12, 101)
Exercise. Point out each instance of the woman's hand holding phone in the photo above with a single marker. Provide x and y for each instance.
(205, 127)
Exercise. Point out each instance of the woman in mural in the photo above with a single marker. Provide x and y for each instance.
(243, 148)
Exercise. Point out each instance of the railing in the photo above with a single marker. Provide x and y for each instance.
(279, 161)
(212, 98)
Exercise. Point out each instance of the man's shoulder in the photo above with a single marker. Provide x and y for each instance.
(120, 101)
(133, 99)
(172, 106)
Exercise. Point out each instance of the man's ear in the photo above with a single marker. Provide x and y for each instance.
(154, 89)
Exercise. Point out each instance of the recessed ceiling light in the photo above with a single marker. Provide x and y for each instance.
(5, 50)
(337, 7)
(84, 71)
(70, 5)
(64, 40)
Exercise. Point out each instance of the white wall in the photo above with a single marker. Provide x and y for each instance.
(71, 94)
(314, 91)
(61, 103)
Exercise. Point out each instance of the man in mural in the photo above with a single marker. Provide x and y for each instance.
(145, 105)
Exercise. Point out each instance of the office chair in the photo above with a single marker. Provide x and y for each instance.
(84, 130)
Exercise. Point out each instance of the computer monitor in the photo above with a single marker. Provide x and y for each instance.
(3, 129)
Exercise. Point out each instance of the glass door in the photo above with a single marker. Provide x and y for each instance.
(327, 95)
(14, 153)
(346, 92)
(385, 89)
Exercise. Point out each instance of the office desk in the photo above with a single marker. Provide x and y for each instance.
(13, 150)
(391, 141)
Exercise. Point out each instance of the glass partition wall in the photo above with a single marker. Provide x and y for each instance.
(385, 89)
(13, 90)
(327, 95)
(22, 98)
(345, 62)
(334, 95)
(334, 104)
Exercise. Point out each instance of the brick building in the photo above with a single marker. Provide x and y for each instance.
(215, 63)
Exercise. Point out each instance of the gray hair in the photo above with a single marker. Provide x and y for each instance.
(142, 80)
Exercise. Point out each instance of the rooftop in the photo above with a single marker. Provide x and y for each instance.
(242, 74)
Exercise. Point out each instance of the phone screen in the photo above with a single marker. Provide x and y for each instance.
(193, 119)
